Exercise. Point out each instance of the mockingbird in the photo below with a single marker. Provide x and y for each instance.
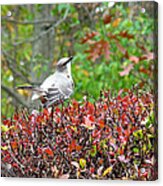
(55, 88)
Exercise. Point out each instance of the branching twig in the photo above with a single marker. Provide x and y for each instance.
(33, 39)
(9, 60)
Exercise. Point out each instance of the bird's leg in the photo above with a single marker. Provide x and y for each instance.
(52, 112)
(61, 101)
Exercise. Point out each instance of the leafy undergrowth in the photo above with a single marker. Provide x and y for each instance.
(113, 138)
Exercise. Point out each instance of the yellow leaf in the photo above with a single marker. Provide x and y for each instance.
(10, 27)
(74, 128)
(116, 22)
(4, 148)
(86, 73)
(82, 163)
(5, 128)
(107, 171)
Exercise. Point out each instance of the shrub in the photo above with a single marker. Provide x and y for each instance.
(111, 138)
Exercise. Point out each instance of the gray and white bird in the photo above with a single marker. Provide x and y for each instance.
(57, 87)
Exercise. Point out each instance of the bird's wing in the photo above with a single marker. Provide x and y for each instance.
(65, 85)
(53, 96)
(48, 82)
(60, 89)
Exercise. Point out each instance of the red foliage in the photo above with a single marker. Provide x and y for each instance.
(97, 49)
(107, 19)
(99, 141)
(88, 37)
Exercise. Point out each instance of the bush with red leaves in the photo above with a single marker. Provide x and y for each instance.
(112, 138)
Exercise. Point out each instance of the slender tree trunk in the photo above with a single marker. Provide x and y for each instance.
(45, 45)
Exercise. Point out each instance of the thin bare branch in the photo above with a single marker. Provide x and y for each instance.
(9, 60)
(13, 94)
(34, 39)
(28, 22)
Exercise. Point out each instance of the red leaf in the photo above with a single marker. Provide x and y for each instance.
(46, 112)
(7, 122)
(105, 106)
(72, 146)
(119, 129)
(78, 147)
(123, 116)
(101, 123)
(88, 37)
(39, 150)
(15, 165)
(92, 169)
(97, 49)
(88, 123)
(134, 59)
(91, 118)
(126, 70)
(90, 108)
(75, 103)
(57, 110)
(14, 145)
(49, 151)
(125, 34)
(107, 18)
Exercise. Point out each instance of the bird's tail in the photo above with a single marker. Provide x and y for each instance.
(36, 90)
(29, 87)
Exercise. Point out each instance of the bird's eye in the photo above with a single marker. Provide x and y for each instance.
(68, 76)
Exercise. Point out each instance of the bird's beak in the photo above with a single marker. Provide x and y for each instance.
(69, 60)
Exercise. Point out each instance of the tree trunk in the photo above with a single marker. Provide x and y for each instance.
(44, 47)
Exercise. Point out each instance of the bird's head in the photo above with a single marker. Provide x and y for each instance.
(64, 64)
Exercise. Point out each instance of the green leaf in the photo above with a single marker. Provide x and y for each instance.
(93, 151)
(135, 149)
(138, 134)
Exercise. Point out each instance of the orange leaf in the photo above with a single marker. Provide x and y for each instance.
(14, 145)
(48, 151)
(101, 123)
(116, 22)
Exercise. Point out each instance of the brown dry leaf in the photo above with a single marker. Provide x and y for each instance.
(107, 18)
(125, 34)
(10, 27)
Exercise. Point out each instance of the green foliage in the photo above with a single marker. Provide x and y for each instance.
(112, 47)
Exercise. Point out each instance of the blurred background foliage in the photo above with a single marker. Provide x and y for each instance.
(112, 45)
